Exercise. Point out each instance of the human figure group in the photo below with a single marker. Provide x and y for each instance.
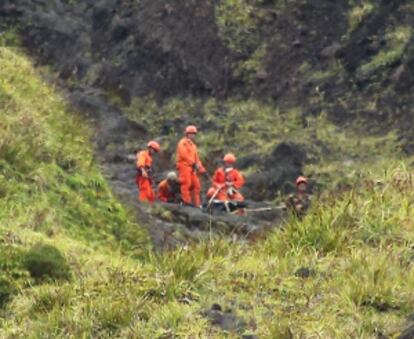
(185, 188)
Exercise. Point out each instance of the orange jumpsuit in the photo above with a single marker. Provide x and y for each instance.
(144, 160)
(166, 193)
(187, 158)
(221, 177)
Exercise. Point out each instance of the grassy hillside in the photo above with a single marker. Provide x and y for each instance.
(51, 192)
(72, 262)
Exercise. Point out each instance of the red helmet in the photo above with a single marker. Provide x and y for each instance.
(191, 129)
(301, 180)
(154, 145)
(229, 158)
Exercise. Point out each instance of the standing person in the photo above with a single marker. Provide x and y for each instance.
(169, 189)
(144, 172)
(300, 202)
(189, 168)
(227, 181)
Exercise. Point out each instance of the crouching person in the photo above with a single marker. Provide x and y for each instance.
(169, 189)
(226, 184)
(300, 202)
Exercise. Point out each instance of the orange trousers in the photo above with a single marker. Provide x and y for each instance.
(146, 194)
(190, 185)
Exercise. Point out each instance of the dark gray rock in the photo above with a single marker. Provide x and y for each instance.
(408, 333)
(251, 226)
(279, 172)
(226, 320)
(305, 272)
(331, 50)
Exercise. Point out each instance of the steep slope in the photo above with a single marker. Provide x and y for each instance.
(51, 190)
(72, 262)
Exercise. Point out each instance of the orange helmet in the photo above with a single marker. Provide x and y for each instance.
(211, 192)
(191, 129)
(229, 158)
(301, 180)
(154, 145)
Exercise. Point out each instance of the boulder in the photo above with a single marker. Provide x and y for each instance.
(278, 174)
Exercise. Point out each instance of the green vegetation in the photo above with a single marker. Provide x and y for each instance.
(51, 193)
(57, 213)
(237, 24)
(397, 41)
(358, 13)
(46, 262)
(358, 244)
(48, 183)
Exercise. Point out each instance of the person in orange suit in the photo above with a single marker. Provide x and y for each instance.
(169, 189)
(189, 168)
(300, 202)
(227, 181)
(144, 172)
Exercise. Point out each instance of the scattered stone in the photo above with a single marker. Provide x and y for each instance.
(305, 272)
(227, 320)
(331, 50)
(261, 75)
(380, 306)
(397, 74)
(407, 333)
(250, 226)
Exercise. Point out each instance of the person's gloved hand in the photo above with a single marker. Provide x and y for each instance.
(144, 173)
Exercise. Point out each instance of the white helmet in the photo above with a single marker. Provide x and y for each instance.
(172, 176)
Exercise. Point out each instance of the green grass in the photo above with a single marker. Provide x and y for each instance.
(358, 13)
(397, 41)
(48, 182)
(237, 24)
(358, 241)
(51, 192)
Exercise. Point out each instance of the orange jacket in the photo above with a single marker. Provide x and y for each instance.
(187, 155)
(234, 176)
(166, 192)
(144, 160)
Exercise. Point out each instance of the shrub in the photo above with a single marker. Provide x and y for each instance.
(46, 261)
(6, 291)
(11, 272)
